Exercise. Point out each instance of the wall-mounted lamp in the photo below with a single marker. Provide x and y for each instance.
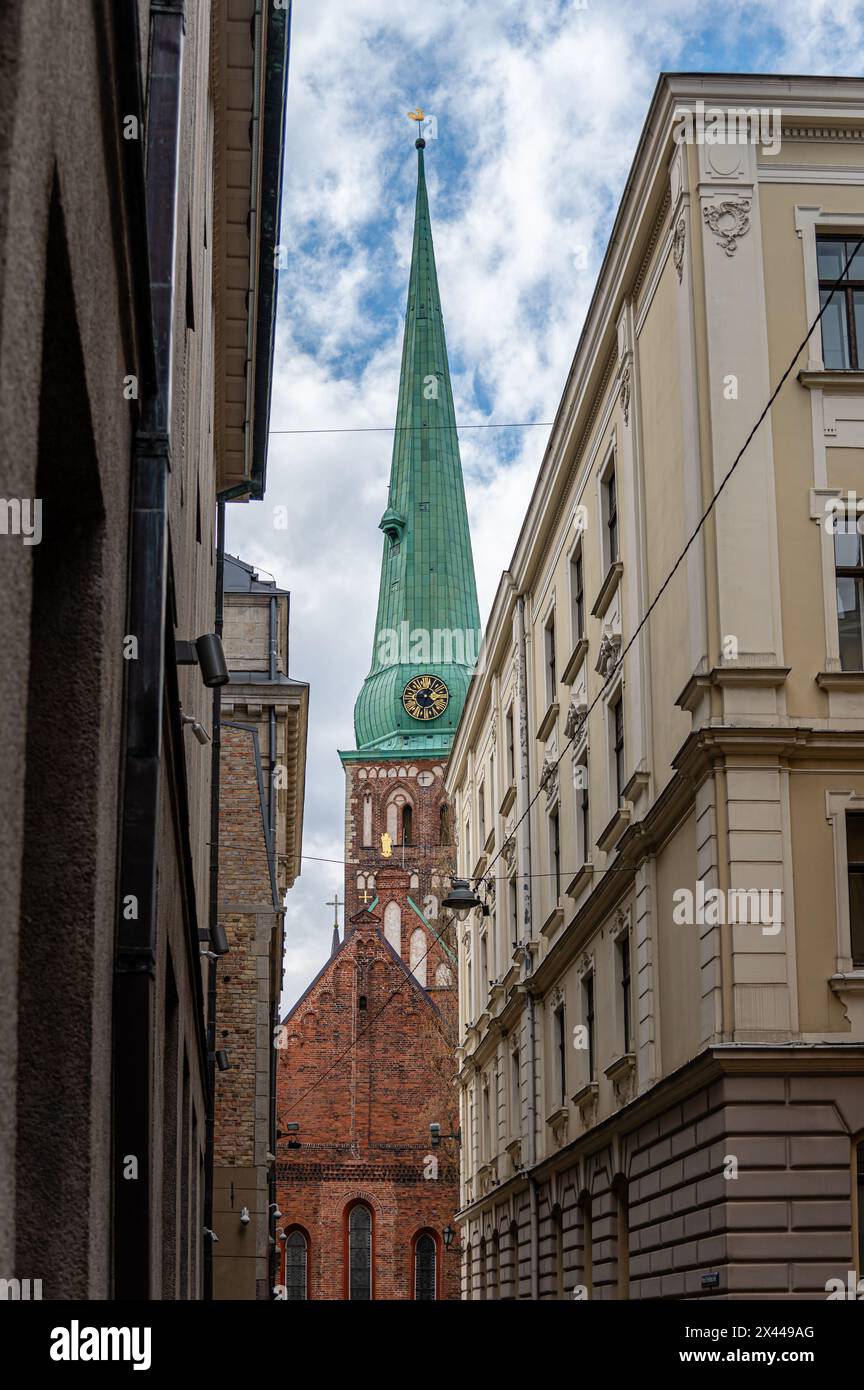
(245, 1218)
(462, 898)
(207, 652)
(220, 1058)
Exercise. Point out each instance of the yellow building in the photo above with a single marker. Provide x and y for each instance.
(661, 789)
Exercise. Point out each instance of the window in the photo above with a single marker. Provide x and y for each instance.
(587, 1243)
(514, 911)
(610, 515)
(467, 844)
(469, 990)
(360, 1253)
(487, 1123)
(494, 1266)
(407, 819)
(425, 1267)
(859, 1203)
(577, 594)
(296, 1266)
(558, 1227)
(588, 1020)
(393, 926)
(361, 1003)
(511, 749)
(515, 1093)
(624, 986)
(492, 784)
(855, 863)
(484, 964)
(417, 956)
(618, 747)
(444, 824)
(843, 321)
(481, 814)
(849, 563)
(469, 1272)
(555, 853)
(483, 1267)
(551, 673)
(367, 820)
(583, 823)
(623, 1237)
(561, 1048)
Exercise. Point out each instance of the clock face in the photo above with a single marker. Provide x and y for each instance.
(425, 697)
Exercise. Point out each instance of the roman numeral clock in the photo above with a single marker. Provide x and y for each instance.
(425, 697)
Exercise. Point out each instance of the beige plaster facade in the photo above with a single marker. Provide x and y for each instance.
(662, 1014)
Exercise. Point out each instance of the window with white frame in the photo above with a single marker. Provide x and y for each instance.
(511, 748)
(577, 594)
(843, 320)
(551, 670)
(625, 1020)
(616, 737)
(560, 1030)
(855, 870)
(849, 567)
(609, 493)
(583, 812)
(515, 1092)
(589, 1022)
(555, 854)
(481, 813)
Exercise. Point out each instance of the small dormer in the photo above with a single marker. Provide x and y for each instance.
(393, 525)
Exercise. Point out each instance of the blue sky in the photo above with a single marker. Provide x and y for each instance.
(539, 105)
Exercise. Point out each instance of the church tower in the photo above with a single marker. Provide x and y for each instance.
(425, 645)
(367, 1144)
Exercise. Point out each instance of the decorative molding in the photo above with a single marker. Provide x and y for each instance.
(508, 851)
(719, 215)
(624, 392)
(678, 242)
(549, 779)
(607, 657)
(576, 712)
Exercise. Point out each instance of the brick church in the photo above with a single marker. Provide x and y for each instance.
(367, 1148)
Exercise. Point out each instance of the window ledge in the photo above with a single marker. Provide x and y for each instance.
(612, 833)
(548, 721)
(571, 670)
(555, 1117)
(514, 1150)
(833, 380)
(621, 1067)
(607, 591)
(580, 879)
(840, 680)
(552, 923)
(637, 784)
(490, 841)
(586, 1094)
(509, 798)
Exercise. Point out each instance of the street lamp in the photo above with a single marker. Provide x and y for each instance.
(448, 1233)
(462, 898)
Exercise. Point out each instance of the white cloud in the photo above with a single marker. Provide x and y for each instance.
(539, 109)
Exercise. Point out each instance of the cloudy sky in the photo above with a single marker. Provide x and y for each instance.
(538, 105)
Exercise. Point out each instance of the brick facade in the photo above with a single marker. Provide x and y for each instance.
(363, 1127)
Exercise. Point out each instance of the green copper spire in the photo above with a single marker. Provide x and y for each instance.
(428, 622)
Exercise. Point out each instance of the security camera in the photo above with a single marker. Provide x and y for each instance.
(274, 1207)
(435, 1131)
(198, 729)
(210, 955)
(222, 1060)
(245, 1218)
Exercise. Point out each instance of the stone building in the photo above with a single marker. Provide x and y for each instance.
(366, 1058)
(659, 790)
(140, 181)
(262, 777)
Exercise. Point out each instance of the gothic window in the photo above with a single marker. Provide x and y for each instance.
(393, 926)
(360, 1253)
(425, 1267)
(407, 817)
(443, 978)
(296, 1265)
(444, 825)
(417, 959)
(367, 820)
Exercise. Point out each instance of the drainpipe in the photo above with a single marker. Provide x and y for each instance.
(523, 799)
(213, 918)
(134, 1002)
(254, 213)
(271, 785)
(273, 1249)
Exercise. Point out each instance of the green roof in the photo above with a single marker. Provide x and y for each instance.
(428, 620)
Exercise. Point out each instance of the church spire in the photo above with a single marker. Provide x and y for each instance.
(427, 632)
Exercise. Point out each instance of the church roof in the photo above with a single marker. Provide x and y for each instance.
(428, 621)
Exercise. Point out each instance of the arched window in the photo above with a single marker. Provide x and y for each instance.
(469, 1272)
(296, 1265)
(393, 926)
(407, 817)
(367, 819)
(483, 1288)
(623, 1236)
(494, 1267)
(443, 978)
(587, 1243)
(360, 1253)
(426, 1266)
(417, 959)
